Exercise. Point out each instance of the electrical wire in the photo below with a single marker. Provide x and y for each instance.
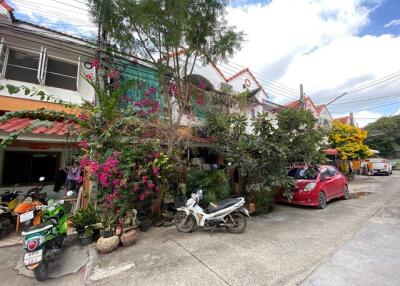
(366, 99)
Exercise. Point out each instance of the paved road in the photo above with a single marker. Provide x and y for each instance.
(352, 242)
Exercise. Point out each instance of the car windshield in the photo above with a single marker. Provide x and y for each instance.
(303, 173)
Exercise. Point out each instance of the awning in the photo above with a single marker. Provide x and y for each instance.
(59, 128)
(331, 151)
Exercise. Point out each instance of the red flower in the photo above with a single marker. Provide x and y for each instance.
(89, 76)
(95, 63)
(144, 179)
(136, 187)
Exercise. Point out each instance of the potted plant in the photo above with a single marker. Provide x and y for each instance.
(78, 222)
(107, 221)
(86, 237)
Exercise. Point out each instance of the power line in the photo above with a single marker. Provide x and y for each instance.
(268, 80)
(261, 79)
(270, 87)
(368, 85)
(366, 99)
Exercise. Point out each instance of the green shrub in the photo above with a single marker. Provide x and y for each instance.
(214, 184)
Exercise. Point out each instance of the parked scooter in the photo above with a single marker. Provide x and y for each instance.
(6, 221)
(43, 242)
(10, 199)
(230, 214)
(29, 211)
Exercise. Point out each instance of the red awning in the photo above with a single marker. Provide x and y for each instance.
(59, 128)
(330, 151)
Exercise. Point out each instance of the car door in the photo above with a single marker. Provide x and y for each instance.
(326, 184)
(336, 183)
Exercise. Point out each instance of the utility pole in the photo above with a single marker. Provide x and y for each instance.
(352, 119)
(302, 102)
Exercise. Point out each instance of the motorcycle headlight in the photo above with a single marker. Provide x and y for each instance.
(309, 187)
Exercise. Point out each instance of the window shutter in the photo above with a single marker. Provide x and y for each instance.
(42, 66)
(3, 57)
(78, 73)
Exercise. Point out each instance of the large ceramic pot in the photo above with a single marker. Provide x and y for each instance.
(106, 245)
(85, 239)
(129, 236)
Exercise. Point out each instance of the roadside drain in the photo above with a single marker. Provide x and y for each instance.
(357, 195)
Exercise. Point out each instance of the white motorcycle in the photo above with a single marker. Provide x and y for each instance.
(230, 214)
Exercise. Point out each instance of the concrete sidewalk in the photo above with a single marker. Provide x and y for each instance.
(289, 246)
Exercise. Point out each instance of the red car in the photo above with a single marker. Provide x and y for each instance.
(315, 186)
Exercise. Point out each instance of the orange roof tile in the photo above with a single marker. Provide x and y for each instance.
(57, 128)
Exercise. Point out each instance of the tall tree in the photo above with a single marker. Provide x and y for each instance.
(173, 36)
(349, 141)
(384, 136)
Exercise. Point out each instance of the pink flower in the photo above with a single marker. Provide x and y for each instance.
(144, 179)
(151, 185)
(202, 84)
(136, 187)
(116, 182)
(83, 144)
(95, 63)
(172, 89)
(200, 101)
(156, 171)
(103, 179)
(113, 74)
(156, 155)
(80, 179)
(157, 189)
(83, 116)
(85, 162)
(89, 76)
(141, 197)
(94, 166)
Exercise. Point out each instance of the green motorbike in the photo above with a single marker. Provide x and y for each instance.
(43, 242)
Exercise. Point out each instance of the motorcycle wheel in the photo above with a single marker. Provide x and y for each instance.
(241, 222)
(184, 223)
(41, 271)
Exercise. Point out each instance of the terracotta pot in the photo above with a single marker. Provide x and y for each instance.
(252, 207)
(129, 236)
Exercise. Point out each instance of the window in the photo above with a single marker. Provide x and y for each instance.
(27, 167)
(38, 68)
(61, 74)
(22, 66)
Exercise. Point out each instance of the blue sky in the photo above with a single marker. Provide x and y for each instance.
(331, 46)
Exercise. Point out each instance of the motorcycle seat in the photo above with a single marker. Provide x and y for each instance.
(40, 227)
(223, 204)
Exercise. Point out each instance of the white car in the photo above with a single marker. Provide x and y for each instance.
(381, 166)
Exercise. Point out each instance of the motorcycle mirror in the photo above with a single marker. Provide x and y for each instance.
(41, 179)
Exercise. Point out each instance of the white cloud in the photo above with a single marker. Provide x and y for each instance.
(316, 43)
(395, 22)
(61, 15)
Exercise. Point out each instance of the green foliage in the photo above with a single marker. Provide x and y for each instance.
(304, 141)
(263, 199)
(214, 184)
(384, 136)
(85, 218)
(107, 220)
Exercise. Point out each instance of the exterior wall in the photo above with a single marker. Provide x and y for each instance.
(325, 118)
(68, 52)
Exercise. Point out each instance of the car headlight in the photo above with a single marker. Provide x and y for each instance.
(309, 187)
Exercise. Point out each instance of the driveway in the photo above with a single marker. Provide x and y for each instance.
(352, 242)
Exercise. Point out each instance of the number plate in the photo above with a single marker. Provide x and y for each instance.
(26, 216)
(33, 257)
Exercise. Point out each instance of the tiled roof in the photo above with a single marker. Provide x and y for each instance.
(57, 128)
(6, 6)
(344, 119)
(319, 108)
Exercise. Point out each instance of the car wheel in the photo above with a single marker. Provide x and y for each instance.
(321, 200)
(346, 193)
